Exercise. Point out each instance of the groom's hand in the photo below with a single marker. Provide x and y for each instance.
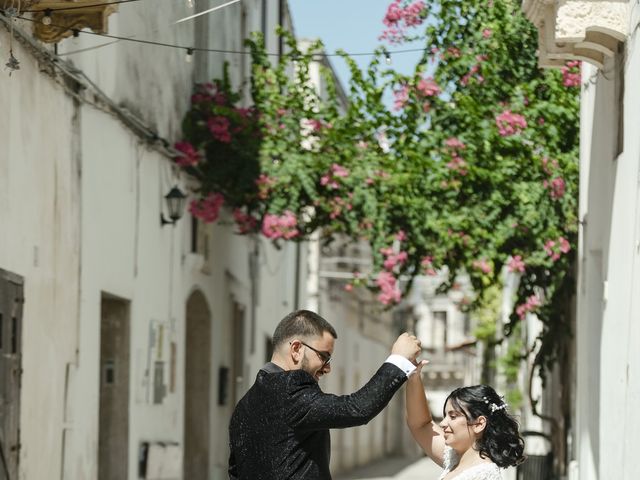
(408, 346)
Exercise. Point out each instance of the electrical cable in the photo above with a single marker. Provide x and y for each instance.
(187, 49)
(77, 7)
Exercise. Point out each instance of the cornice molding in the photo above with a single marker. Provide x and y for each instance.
(80, 14)
(588, 30)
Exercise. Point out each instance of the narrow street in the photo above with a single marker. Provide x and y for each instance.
(396, 468)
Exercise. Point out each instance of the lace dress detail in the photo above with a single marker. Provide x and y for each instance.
(483, 471)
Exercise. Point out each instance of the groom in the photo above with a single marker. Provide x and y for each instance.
(280, 429)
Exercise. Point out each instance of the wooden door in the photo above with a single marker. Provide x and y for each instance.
(11, 301)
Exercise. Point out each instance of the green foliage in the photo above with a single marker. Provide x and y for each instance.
(474, 167)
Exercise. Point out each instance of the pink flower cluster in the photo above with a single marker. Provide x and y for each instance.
(402, 15)
(280, 226)
(392, 259)
(532, 303)
(386, 280)
(264, 184)
(516, 264)
(330, 180)
(246, 223)
(190, 156)
(207, 209)
(427, 266)
(219, 128)
(483, 265)
(473, 73)
(557, 187)
(400, 97)
(207, 92)
(571, 74)
(510, 123)
(457, 164)
(555, 248)
(337, 204)
(389, 290)
(454, 143)
(427, 87)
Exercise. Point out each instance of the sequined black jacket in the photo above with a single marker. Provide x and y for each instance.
(280, 428)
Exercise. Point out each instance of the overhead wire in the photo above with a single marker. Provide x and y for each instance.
(187, 48)
(77, 7)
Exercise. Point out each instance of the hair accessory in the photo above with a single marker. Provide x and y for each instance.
(494, 407)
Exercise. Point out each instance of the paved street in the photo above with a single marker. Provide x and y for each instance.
(395, 469)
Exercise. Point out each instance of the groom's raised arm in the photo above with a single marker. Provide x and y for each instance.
(313, 409)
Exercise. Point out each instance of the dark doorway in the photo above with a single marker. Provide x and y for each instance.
(113, 441)
(197, 402)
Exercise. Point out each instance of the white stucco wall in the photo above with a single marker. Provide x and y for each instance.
(39, 240)
(608, 335)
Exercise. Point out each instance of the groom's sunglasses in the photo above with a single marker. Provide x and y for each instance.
(324, 356)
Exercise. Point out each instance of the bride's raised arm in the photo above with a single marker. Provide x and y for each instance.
(426, 432)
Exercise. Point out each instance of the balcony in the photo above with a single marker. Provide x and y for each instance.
(589, 30)
(68, 16)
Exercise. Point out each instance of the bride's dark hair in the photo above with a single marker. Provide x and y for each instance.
(500, 440)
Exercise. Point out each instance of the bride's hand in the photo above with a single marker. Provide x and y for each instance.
(419, 366)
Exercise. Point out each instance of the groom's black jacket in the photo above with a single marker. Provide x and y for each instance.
(280, 428)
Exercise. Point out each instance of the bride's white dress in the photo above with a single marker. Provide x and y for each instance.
(483, 471)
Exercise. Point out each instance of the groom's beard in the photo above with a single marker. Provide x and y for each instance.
(305, 366)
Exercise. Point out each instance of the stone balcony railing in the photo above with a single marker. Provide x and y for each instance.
(66, 16)
(589, 30)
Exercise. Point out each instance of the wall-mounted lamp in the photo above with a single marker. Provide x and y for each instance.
(175, 203)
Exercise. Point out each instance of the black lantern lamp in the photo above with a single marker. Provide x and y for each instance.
(175, 203)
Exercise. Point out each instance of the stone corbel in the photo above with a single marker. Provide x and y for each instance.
(588, 30)
(69, 15)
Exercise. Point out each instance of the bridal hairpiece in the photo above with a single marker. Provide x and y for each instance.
(493, 407)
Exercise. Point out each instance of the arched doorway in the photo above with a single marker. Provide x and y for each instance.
(197, 388)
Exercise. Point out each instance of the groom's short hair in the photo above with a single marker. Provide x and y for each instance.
(301, 323)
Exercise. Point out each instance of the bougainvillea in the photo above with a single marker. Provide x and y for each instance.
(470, 165)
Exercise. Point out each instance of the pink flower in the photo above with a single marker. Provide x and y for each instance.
(454, 142)
(427, 87)
(531, 304)
(219, 128)
(395, 259)
(516, 264)
(389, 291)
(486, 33)
(427, 266)
(207, 209)
(510, 123)
(339, 170)
(190, 156)
(401, 236)
(246, 223)
(571, 76)
(401, 97)
(401, 16)
(457, 164)
(483, 265)
(557, 188)
(264, 184)
(555, 248)
(565, 246)
(280, 226)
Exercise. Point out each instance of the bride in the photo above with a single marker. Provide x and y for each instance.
(476, 438)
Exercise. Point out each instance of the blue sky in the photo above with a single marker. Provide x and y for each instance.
(353, 25)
